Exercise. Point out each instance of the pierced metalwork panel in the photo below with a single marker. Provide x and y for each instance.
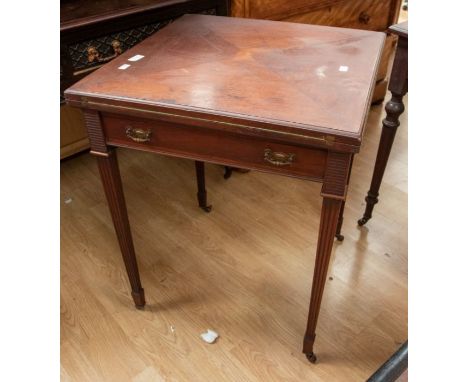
(95, 52)
(91, 53)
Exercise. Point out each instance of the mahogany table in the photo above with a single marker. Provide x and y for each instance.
(283, 98)
(398, 86)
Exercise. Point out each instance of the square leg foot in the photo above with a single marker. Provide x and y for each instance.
(307, 348)
(139, 299)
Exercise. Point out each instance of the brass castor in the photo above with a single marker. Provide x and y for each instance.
(339, 237)
(362, 221)
(227, 172)
(311, 357)
(206, 208)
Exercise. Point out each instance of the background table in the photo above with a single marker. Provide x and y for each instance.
(398, 86)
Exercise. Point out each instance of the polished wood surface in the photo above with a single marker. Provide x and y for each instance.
(395, 107)
(156, 112)
(94, 32)
(280, 73)
(240, 270)
(376, 15)
(360, 14)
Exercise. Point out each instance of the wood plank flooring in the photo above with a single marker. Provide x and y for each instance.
(244, 270)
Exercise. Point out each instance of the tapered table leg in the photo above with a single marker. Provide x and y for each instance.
(201, 194)
(110, 175)
(328, 223)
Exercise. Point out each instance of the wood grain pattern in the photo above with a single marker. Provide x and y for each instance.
(363, 14)
(244, 270)
(375, 15)
(258, 71)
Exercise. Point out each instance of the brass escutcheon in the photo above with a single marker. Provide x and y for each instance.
(138, 135)
(278, 158)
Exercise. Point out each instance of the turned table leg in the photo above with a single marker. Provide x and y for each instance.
(390, 124)
(201, 194)
(398, 86)
(110, 175)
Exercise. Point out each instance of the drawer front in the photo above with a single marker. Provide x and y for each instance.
(273, 9)
(363, 14)
(215, 146)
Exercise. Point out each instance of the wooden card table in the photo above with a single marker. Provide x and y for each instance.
(283, 98)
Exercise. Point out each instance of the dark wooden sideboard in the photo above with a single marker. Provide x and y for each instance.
(94, 32)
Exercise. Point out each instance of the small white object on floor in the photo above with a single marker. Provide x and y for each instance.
(209, 336)
(124, 66)
(68, 200)
(343, 68)
(172, 329)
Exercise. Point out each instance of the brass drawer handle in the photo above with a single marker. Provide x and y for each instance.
(138, 135)
(95, 56)
(364, 17)
(278, 158)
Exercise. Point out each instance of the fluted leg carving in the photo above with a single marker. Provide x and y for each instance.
(110, 176)
(394, 109)
(328, 224)
(201, 194)
(338, 234)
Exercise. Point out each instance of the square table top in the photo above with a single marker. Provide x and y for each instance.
(290, 76)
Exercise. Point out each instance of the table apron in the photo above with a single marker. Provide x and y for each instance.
(215, 146)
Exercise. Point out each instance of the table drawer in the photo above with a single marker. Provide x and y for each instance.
(214, 146)
(363, 14)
